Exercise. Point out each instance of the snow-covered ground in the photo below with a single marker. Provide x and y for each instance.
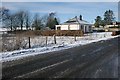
(63, 42)
(2, 30)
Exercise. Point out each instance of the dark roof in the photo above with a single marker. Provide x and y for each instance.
(76, 20)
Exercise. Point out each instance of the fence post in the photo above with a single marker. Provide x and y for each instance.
(75, 37)
(2, 42)
(46, 40)
(4, 39)
(104, 35)
(96, 34)
(29, 42)
(55, 39)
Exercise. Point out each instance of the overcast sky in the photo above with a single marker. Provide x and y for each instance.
(65, 10)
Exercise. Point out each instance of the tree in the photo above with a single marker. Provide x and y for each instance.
(21, 18)
(45, 20)
(56, 21)
(52, 21)
(37, 22)
(27, 20)
(17, 22)
(103, 23)
(13, 21)
(4, 13)
(109, 17)
(98, 21)
(10, 22)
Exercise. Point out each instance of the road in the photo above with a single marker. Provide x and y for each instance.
(95, 60)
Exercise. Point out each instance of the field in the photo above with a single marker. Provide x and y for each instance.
(44, 44)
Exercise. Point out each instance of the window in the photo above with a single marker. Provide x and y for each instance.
(59, 28)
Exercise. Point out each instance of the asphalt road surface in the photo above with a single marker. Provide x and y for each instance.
(95, 60)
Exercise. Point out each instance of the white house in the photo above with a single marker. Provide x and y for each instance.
(114, 26)
(75, 23)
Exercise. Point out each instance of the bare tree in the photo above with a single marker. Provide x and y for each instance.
(9, 22)
(21, 18)
(37, 22)
(12, 22)
(4, 13)
(44, 20)
(27, 20)
(16, 22)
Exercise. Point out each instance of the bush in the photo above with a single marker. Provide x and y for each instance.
(69, 33)
(50, 33)
(114, 33)
(14, 42)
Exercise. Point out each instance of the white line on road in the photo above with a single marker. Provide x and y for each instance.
(43, 68)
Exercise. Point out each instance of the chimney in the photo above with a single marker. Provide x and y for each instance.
(76, 17)
(80, 17)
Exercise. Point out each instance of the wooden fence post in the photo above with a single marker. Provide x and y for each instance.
(46, 40)
(29, 42)
(104, 35)
(2, 42)
(55, 39)
(75, 37)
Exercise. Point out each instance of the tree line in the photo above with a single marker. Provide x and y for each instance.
(23, 19)
(107, 20)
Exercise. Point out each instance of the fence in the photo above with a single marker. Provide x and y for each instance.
(26, 39)
(10, 42)
(16, 42)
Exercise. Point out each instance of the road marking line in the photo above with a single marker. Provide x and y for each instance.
(44, 68)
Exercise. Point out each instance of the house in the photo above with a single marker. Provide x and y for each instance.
(98, 29)
(76, 23)
(114, 26)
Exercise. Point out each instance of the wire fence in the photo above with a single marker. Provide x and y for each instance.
(10, 42)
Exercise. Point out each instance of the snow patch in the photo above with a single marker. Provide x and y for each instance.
(63, 42)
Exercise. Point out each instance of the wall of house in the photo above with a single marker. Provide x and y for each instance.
(74, 27)
(107, 26)
(86, 28)
(68, 27)
(64, 27)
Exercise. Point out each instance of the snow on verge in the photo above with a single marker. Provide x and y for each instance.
(18, 54)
